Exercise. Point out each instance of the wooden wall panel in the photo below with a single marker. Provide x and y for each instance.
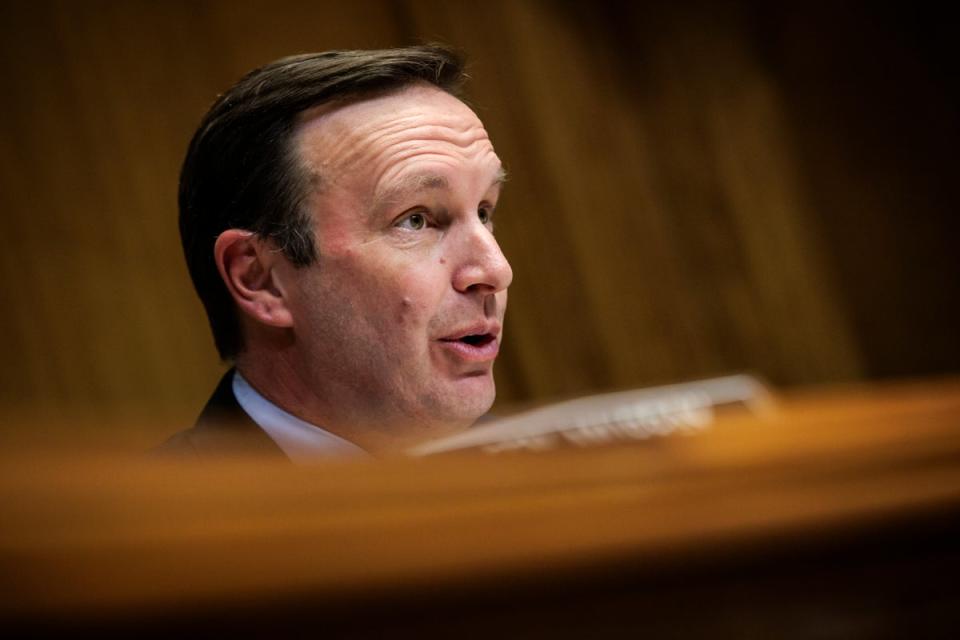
(670, 236)
(103, 97)
(681, 201)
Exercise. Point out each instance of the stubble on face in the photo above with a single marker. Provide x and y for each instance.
(369, 311)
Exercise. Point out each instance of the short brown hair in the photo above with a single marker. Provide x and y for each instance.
(241, 170)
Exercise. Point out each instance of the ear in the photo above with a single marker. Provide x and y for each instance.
(247, 264)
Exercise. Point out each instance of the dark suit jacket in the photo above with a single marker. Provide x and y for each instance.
(223, 429)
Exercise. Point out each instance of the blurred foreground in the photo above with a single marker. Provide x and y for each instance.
(832, 515)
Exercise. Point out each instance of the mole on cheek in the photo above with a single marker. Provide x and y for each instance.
(443, 261)
(406, 306)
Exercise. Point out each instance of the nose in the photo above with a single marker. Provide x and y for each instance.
(482, 267)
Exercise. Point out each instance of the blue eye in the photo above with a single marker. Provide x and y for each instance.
(414, 222)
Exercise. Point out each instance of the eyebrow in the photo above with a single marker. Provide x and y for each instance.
(423, 182)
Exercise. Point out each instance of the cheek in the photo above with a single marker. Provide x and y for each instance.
(406, 310)
(388, 289)
(418, 297)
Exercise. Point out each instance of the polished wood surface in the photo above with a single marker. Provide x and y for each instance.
(828, 511)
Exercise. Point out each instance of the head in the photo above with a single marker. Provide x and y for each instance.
(336, 212)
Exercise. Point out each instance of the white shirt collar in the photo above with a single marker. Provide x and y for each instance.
(301, 441)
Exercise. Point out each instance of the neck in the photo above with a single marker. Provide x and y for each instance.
(337, 408)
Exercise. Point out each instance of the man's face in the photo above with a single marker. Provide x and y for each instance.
(399, 321)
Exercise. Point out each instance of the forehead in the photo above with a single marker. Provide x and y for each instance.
(382, 136)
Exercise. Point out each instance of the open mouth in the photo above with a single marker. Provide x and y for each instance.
(477, 340)
(473, 347)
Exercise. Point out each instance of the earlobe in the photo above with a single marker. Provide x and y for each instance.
(247, 265)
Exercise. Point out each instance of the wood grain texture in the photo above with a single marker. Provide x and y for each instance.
(99, 538)
(694, 190)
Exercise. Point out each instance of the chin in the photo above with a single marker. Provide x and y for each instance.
(462, 405)
(471, 408)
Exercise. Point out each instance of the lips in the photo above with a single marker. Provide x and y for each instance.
(476, 343)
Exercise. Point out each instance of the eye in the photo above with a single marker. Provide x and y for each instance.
(414, 222)
(485, 214)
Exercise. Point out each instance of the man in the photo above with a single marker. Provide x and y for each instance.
(336, 212)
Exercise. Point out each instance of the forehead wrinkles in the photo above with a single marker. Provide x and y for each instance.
(428, 143)
(340, 146)
(398, 138)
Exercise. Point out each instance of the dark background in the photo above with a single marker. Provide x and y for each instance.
(696, 189)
